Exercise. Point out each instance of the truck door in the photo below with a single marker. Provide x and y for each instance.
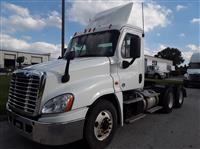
(130, 52)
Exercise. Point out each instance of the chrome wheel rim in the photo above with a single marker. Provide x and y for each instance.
(171, 100)
(103, 125)
(180, 100)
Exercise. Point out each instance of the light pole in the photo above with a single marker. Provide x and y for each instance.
(63, 29)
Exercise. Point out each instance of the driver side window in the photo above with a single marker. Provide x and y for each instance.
(131, 46)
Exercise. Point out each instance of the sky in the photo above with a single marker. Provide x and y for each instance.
(35, 25)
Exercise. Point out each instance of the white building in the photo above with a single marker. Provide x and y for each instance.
(8, 58)
(163, 64)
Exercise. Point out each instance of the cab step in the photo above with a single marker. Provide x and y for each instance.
(154, 109)
(134, 118)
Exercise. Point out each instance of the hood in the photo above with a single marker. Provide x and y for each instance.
(81, 71)
(58, 66)
(193, 71)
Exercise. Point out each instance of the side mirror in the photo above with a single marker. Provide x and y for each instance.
(65, 49)
(125, 64)
(70, 55)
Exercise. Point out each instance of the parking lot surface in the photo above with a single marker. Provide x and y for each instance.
(177, 130)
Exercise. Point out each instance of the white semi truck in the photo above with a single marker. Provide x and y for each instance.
(97, 86)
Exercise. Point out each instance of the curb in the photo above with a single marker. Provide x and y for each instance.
(3, 118)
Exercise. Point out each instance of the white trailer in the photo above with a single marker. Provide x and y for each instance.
(164, 66)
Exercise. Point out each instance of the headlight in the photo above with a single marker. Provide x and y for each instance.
(62, 103)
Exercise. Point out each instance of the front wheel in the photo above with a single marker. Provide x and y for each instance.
(100, 125)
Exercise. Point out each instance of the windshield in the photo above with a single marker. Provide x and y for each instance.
(94, 44)
(194, 65)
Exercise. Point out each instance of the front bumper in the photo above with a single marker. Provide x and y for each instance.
(47, 133)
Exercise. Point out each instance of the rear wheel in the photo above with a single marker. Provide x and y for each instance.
(168, 101)
(179, 98)
(100, 125)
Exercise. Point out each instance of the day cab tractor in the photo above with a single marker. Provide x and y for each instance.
(97, 86)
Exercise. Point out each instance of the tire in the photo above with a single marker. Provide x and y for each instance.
(168, 100)
(179, 98)
(100, 125)
(185, 83)
(157, 76)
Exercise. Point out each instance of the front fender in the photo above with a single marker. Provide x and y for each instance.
(88, 90)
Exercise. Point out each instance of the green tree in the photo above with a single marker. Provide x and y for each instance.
(173, 54)
(20, 60)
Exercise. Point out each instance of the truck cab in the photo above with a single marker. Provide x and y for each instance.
(103, 87)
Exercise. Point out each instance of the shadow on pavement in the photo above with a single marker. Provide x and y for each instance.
(193, 87)
(74, 145)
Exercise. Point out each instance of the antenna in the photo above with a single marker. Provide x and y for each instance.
(143, 19)
(63, 29)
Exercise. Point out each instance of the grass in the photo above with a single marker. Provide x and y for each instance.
(166, 82)
(4, 87)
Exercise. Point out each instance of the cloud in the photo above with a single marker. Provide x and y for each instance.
(20, 23)
(182, 34)
(8, 42)
(195, 20)
(26, 37)
(16, 9)
(54, 19)
(161, 47)
(147, 51)
(180, 7)
(193, 47)
(152, 52)
(158, 34)
(187, 55)
(20, 19)
(155, 14)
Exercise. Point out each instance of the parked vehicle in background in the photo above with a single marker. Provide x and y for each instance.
(164, 65)
(154, 72)
(192, 77)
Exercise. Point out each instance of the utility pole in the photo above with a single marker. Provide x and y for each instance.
(63, 29)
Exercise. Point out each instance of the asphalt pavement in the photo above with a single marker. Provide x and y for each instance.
(177, 130)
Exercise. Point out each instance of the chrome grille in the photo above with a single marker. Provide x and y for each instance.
(25, 91)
